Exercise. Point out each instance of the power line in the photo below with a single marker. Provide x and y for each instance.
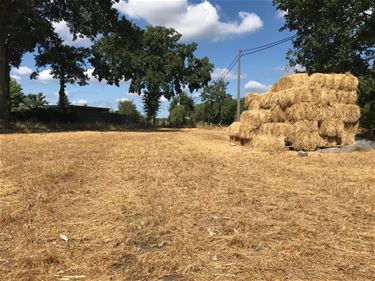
(228, 69)
(254, 50)
(266, 45)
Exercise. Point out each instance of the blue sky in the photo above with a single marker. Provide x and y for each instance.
(219, 27)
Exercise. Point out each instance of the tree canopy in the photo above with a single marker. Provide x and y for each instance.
(68, 65)
(26, 23)
(157, 64)
(332, 36)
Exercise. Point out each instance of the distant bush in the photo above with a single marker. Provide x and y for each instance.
(128, 108)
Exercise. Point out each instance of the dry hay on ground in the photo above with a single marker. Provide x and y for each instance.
(181, 205)
(327, 100)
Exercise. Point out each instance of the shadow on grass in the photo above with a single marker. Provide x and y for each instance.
(36, 127)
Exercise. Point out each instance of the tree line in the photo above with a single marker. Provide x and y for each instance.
(153, 60)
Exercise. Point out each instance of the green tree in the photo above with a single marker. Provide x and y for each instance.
(68, 66)
(181, 111)
(21, 102)
(31, 101)
(26, 23)
(16, 95)
(178, 116)
(158, 65)
(219, 106)
(332, 36)
(366, 101)
(128, 108)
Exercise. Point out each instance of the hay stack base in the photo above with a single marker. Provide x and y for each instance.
(301, 111)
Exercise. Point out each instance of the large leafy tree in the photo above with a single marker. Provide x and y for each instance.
(332, 36)
(26, 23)
(158, 65)
(68, 65)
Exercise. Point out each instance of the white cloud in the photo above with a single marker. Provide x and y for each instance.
(193, 21)
(163, 99)
(122, 99)
(62, 29)
(22, 70)
(16, 77)
(281, 14)
(80, 102)
(45, 76)
(256, 87)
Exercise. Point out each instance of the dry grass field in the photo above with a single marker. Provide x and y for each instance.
(181, 205)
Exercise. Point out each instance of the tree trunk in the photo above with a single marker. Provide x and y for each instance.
(4, 83)
(62, 105)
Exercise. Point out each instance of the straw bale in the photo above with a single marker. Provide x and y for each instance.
(306, 126)
(269, 143)
(303, 111)
(233, 129)
(266, 101)
(307, 141)
(351, 128)
(253, 100)
(346, 97)
(277, 129)
(287, 98)
(327, 81)
(291, 81)
(330, 141)
(240, 130)
(277, 114)
(255, 118)
(331, 128)
(323, 96)
(347, 138)
(349, 83)
(348, 113)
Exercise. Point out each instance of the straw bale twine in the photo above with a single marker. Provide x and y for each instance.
(255, 118)
(291, 81)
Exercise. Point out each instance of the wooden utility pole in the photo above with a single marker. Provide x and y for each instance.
(239, 85)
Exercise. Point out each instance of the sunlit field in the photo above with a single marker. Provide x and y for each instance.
(181, 205)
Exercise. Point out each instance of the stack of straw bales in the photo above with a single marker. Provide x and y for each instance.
(305, 112)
